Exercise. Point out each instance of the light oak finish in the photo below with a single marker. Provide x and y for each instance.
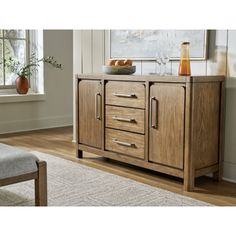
(183, 119)
(219, 173)
(129, 94)
(205, 127)
(204, 171)
(124, 118)
(57, 142)
(103, 114)
(182, 134)
(166, 134)
(40, 178)
(90, 110)
(134, 161)
(125, 142)
(146, 138)
(189, 169)
(18, 179)
(41, 196)
(153, 78)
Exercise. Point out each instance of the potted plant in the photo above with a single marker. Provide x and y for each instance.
(23, 71)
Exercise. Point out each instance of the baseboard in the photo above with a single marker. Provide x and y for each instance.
(35, 124)
(229, 173)
(229, 180)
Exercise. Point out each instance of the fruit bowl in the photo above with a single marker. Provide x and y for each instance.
(119, 70)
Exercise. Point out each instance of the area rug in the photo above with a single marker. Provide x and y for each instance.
(74, 184)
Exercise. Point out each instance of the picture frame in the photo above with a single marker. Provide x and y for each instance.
(145, 44)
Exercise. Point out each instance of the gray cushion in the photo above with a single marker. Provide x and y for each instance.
(15, 162)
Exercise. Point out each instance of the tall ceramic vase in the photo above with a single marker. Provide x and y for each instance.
(22, 85)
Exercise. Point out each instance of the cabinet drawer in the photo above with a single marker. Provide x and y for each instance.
(124, 118)
(125, 142)
(128, 94)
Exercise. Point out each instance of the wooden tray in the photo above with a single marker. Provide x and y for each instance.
(119, 70)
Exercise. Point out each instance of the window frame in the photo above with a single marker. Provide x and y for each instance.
(27, 54)
(36, 45)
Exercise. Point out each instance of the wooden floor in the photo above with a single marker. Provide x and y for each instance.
(58, 142)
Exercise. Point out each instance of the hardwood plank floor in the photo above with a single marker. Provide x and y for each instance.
(58, 142)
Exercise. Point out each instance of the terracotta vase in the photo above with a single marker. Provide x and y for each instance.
(22, 85)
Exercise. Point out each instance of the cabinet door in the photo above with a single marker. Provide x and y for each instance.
(166, 132)
(90, 113)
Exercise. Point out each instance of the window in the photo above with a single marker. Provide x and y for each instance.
(13, 43)
(20, 44)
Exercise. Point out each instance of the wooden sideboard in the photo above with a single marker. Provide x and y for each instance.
(170, 124)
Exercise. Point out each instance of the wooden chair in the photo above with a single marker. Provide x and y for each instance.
(17, 166)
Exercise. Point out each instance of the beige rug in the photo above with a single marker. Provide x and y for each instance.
(73, 184)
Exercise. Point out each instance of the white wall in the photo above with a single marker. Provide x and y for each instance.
(230, 119)
(56, 110)
(94, 52)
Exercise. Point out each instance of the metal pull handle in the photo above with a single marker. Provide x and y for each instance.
(132, 95)
(97, 111)
(154, 124)
(123, 119)
(123, 143)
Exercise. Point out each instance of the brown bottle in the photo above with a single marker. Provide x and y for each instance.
(184, 65)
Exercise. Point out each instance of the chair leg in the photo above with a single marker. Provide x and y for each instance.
(41, 185)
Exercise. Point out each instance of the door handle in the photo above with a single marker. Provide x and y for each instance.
(154, 122)
(98, 109)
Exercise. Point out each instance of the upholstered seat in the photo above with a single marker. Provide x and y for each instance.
(15, 162)
(17, 166)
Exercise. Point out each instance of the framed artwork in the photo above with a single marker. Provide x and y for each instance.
(146, 44)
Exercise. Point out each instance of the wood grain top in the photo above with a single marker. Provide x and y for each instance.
(153, 78)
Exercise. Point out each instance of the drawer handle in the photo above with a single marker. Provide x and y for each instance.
(123, 119)
(132, 95)
(123, 143)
